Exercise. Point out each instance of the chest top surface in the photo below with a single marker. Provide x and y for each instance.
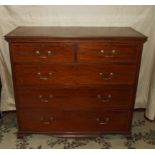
(75, 33)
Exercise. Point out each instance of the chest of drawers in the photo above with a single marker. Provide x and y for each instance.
(75, 81)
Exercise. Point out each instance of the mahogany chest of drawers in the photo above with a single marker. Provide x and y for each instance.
(75, 81)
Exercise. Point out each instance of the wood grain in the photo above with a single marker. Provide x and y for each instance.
(43, 53)
(75, 98)
(44, 120)
(106, 52)
(27, 33)
(74, 74)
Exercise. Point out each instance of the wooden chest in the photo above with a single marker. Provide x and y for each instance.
(75, 81)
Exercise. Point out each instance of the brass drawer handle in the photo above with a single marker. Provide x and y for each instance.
(45, 99)
(43, 56)
(104, 76)
(108, 53)
(49, 52)
(46, 121)
(104, 98)
(44, 77)
(102, 121)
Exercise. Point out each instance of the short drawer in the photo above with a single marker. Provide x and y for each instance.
(74, 74)
(106, 52)
(75, 98)
(42, 52)
(45, 120)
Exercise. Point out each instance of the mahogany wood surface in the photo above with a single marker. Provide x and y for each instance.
(34, 52)
(75, 81)
(74, 74)
(75, 98)
(75, 32)
(73, 121)
(106, 52)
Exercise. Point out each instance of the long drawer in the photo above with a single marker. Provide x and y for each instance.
(45, 120)
(106, 52)
(75, 98)
(75, 74)
(43, 52)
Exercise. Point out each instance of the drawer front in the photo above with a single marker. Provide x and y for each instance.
(106, 52)
(44, 120)
(74, 74)
(75, 99)
(43, 53)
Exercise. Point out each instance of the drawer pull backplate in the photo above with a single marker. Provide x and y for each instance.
(46, 121)
(107, 53)
(43, 56)
(41, 77)
(102, 121)
(45, 99)
(104, 98)
(105, 76)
